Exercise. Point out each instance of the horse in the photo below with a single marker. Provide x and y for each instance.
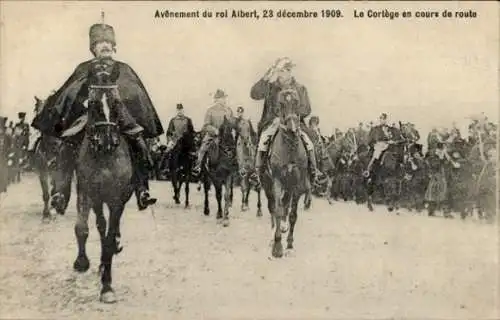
(286, 177)
(246, 146)
(43, 160)
(180, 163)
(219, 168)
(104, 176)
(387, 172)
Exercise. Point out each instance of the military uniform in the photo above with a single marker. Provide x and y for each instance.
(64, 114)
(246, 140)
(316, 137)
(22, 131)
(271, 93)
(179, 126)
(214, 118)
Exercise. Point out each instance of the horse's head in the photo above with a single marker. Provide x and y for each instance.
(227, 131)
(102, 130)
(288, 101)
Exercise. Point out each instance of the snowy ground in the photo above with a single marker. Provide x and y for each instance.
(347, 263)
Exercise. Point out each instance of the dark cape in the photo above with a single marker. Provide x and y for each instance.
(66, 105)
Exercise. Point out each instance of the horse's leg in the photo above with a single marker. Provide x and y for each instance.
(82, 263)
(227, 200)
(369, 192)
(242, 188)
(101, 228)
(110, 248)
(175, 185)
(230, 186)
(245, 191)
(293, 220)
(43, 177)
(66, 191)
(206, 188)
(389, 194)
(277, 250)
(308, 199)
(218, 196)
(259, 203)
(285, 202)
(186, 190)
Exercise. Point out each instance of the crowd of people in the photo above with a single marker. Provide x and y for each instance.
(14, 139)
(358, 164)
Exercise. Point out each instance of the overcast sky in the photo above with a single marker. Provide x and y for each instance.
(431, 72)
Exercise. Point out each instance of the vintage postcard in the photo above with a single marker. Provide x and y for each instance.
(249, 160)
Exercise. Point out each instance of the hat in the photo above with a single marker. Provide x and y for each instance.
(21, 114)
(240, 109)
(313, 118)
(383, 116)
(179, 106)
(3, 121)
(219, 94)
(101, 32)
(285, 64)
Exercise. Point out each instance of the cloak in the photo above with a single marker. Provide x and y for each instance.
(67, 104)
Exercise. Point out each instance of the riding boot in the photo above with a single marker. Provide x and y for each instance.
(259, 168)
(142, 167)
(313, 168)
(64, 166)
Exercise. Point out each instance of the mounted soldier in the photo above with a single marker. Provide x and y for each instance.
(65, 112)
(271, 91)
(379, 140)
(179, 126)
(180, 147)
(214, 117)
(247, 137)
(314, 132)
(22, 130)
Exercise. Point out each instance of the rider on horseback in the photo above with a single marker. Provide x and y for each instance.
(214, 117)
(379, 139)
(179, 126)
(64, 114)
(269, 123)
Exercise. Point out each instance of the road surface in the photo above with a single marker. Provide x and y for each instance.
(179, 264)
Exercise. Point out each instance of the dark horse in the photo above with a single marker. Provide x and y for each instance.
(104, 176)
(219, 170)
(246, 146)
(43, 160)
(286, 179)
(387, 171)
(180, 163)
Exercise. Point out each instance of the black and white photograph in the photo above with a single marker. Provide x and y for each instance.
(249, 160)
